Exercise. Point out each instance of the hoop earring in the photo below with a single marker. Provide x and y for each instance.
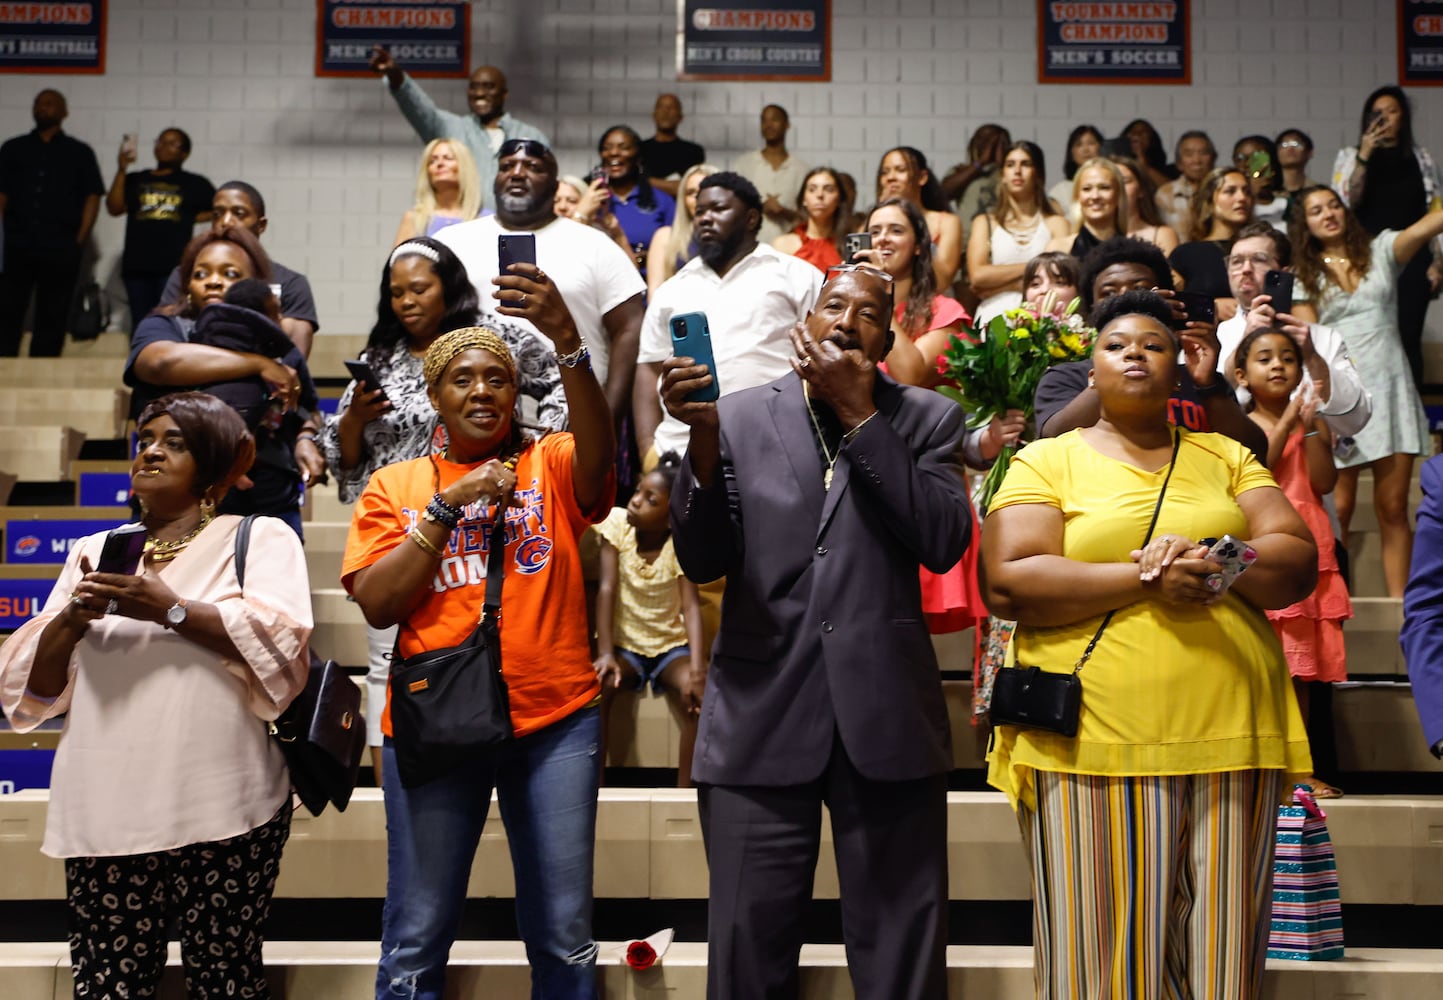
(207, 508)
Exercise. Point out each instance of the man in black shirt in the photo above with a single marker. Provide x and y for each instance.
(161, 206)
(666, 156)
(50, 190)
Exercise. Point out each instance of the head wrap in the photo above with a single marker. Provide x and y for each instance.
(445, 348)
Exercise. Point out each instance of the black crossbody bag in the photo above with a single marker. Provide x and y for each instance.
(321, 733)
(450, 706)
(1033, 698)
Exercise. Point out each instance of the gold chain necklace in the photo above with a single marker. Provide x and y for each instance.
(826, 452)
(1330, 261)
(157, 551)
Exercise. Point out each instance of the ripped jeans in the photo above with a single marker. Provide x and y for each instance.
(546, 784)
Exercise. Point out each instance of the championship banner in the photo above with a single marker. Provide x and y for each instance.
(1080, 42)
(1420, 43)
(754, 40)
(52, 37)
(427, 37)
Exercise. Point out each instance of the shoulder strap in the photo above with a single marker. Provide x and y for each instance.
(1156, 510)
(242, 545)
(495, 566)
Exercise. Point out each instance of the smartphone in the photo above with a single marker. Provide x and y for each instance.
(129, 146)
(1279, 286)
(1235, 556)
(1373, 118)
(691, 338)
(596, 173)
(122, 550)
(853, 242)
(362, 373)
(514, 248)
(1199, 305)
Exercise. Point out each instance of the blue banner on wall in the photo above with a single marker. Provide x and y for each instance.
(426, 39)
(33, 542)
(104, 489)
(21, 600)
(1096, 42)
(1420, 42)
(52, 37)
(754, 40)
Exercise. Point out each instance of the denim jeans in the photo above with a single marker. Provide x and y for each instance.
(546, 784)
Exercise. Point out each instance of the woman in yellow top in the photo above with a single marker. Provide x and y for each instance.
(1151, 832)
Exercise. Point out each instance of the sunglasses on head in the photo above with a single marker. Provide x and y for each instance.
(866, 269)
(526, 147)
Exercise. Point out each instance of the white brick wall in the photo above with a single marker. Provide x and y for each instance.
(335, 159)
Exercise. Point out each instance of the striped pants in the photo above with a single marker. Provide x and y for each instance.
(1152, 888)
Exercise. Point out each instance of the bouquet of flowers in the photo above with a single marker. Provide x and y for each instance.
(996, 368)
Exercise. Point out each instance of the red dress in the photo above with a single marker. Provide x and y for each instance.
(1312, 630)
(820, 253)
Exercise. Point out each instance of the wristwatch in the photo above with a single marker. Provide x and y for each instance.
(175, 615)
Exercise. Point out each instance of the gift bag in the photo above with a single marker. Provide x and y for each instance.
(1307, 921)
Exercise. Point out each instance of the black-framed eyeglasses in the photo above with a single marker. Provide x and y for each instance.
(526, 147)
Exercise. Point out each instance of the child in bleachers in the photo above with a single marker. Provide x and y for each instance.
(1300, 455)
(247, 320)
(648, 615)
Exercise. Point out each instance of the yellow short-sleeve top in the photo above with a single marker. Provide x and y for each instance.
(1169, 690)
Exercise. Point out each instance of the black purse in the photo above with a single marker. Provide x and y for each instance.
(450, 707)
(321, 733)
(1033, 698)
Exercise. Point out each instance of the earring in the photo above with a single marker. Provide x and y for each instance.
(207, 508)
(144, 507)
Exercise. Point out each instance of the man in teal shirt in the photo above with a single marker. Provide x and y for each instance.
(483, 131)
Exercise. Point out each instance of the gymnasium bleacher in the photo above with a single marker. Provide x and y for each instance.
(60, 421)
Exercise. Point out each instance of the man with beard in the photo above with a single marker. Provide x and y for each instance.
(752, 296)
(50, 189)
(484, 130)
(598, 281)
(819, 495)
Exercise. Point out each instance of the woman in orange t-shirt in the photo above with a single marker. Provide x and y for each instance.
(416, 557)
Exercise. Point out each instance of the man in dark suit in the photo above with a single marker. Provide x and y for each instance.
(1422, 633)
(818, 496)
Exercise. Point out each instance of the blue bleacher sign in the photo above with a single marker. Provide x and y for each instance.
(1080, 42)
(31, 542)
(426, 39)
(1420, 42)
(754, 40)
(1434, 413)
(21, 600)
(104, 489)
(52, 37)
(22, 769)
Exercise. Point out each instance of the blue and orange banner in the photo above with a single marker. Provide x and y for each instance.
(426, 37)
(1420, 43)
(54, 37)
(1101, 42)
(754, 40)
(31, 541)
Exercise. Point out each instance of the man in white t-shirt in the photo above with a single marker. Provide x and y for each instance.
(751, 294)
(599, 283)
(776, 173)
(1258, 249)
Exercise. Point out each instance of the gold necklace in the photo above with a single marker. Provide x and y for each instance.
(157, 551)
(826, 452)
(1330, 261)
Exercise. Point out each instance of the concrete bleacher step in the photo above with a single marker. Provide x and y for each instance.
(38, 452)
(110, 346)
(62, 372)
(482, 970)
(96, 412)
(649, 846)
(329, 351)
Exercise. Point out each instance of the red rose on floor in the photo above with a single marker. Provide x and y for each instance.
(640, 955)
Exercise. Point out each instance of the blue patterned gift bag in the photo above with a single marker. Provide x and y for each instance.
(1307, 919)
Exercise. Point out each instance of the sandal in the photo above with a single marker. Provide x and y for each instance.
(1323, 790)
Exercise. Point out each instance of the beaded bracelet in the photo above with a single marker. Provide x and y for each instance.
(575, 358)
(443, 513)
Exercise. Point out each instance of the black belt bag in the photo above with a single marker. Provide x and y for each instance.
(1033, 698)
(450, 706)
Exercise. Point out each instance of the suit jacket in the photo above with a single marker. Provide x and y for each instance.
(1422, 632)
(821, 628)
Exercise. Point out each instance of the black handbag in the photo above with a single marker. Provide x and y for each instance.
(321, 733)
(1033, 698)
(450, 707)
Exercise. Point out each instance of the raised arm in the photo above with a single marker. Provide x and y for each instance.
(1409, 241)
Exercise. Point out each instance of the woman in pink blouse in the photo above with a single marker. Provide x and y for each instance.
(169, 801)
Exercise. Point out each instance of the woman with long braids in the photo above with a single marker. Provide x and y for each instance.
(419, 534)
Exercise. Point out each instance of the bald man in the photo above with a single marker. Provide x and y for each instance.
(483, 130)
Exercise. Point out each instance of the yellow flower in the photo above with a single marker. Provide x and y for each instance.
(1022, 333)
(1057, 351)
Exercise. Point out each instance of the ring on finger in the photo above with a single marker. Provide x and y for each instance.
(112, 606)
(521, 302)
(77, 600)
(805, 363)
